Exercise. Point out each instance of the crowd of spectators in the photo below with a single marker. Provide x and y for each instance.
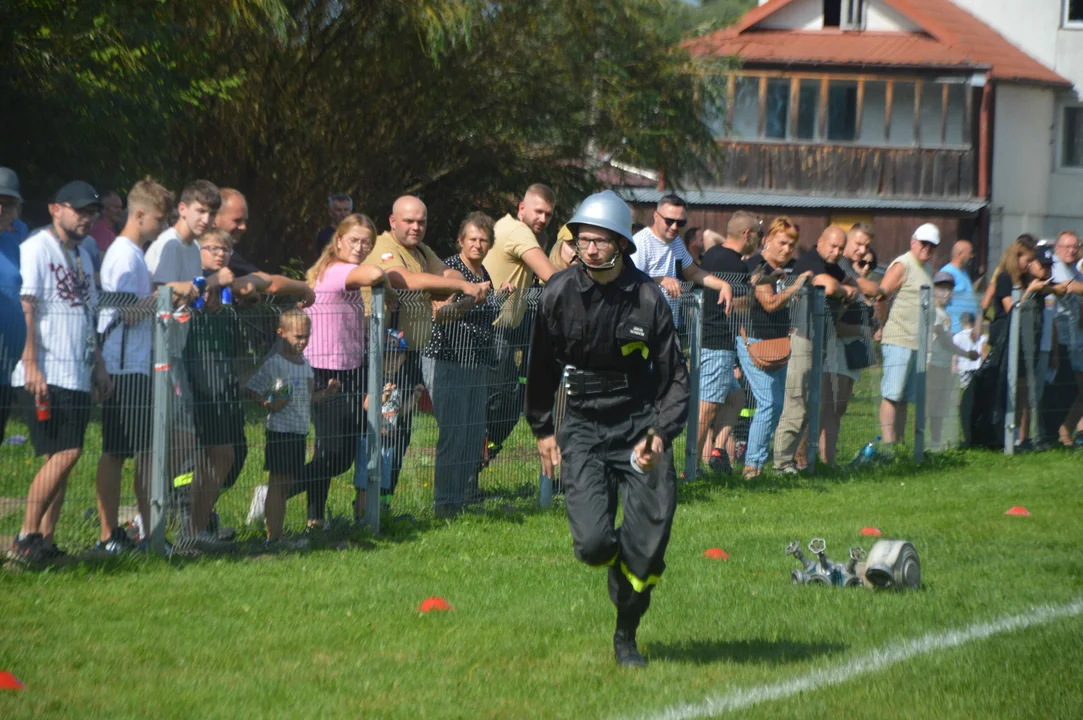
(77, 299)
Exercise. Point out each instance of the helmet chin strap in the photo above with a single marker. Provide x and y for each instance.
(607, 265)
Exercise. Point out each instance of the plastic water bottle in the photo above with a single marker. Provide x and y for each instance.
(869, 452)
(201, 286)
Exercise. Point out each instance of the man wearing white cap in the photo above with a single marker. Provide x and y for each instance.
(902, 288)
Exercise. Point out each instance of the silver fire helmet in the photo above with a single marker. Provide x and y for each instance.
(605, 210)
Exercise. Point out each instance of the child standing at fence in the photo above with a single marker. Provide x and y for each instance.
(283, 387)
(395, 401)
(942, 391)
(970, 340)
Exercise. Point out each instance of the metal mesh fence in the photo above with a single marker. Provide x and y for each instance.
(409, 407)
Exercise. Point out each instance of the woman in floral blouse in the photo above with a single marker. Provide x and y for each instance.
(455, 367)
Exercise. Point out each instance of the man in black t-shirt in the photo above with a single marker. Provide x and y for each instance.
(822, 263)
(855, 327)
(718, 357)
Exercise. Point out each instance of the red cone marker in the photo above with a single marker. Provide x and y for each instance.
(1018, 510)
(871, 532)
(9, 681)
(716, 554)
(437, 604)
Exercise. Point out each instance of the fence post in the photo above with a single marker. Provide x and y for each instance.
(1013, 373)
(691, 435)
(817, 329)
(163, 321)
(920, 363)
(374, 416)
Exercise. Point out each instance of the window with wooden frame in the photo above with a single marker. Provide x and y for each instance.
(878, 111)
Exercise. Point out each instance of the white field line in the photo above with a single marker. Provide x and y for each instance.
(871, 662)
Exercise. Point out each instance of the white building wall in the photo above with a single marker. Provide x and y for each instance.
(800, 15)
(1032, 25)
(881, 18)
(1022, 162)
(1035, 26)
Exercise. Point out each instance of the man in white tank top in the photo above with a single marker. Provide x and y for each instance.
(901, 288)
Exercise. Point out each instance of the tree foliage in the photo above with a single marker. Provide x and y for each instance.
(464, 102)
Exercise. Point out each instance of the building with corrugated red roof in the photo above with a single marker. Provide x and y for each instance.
(893, 112)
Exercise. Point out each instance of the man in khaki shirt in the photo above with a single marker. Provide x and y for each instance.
(517, 257)
(412, 265)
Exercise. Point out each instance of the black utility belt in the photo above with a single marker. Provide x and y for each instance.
(591, 382)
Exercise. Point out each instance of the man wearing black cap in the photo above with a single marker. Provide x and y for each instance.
(608, 330)
(61, 371)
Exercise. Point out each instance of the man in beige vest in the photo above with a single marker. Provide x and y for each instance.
(411, 265)
(517, 257)
(901, 286)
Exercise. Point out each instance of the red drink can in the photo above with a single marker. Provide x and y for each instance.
(42, 406)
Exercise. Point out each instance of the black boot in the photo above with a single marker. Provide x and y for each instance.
(624, 642)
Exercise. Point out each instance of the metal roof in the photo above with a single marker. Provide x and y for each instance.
(780, 200)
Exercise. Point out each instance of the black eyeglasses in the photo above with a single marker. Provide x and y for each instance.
(679, 222)
(863, 263)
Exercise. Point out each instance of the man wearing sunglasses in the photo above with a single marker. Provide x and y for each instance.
(659, 248)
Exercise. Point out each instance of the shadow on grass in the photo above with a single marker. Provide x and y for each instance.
(901, 466)
(511, 505)
(763, 652)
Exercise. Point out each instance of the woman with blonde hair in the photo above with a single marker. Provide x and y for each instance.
(336, 351)
(987, 397)
(764, 336)
(563, 253)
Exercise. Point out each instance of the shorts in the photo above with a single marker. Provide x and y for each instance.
(941, 394)
(716, 379)
(899, 381)
(7, 399)
(285, 453)
(128, 416)
(219, 419)
(69, 414)
(180, 405)
(835, 362)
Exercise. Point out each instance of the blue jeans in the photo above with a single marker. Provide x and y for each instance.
(769, 389)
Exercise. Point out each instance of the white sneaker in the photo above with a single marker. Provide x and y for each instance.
(259, 501)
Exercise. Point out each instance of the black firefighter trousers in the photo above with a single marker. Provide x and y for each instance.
(595, 466)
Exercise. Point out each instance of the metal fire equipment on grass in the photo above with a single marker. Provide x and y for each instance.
(890, 564)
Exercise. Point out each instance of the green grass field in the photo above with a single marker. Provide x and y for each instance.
(336, 632)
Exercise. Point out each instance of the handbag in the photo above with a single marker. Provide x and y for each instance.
(768, 355)
(858, 353)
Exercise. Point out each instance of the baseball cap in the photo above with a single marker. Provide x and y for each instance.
(9, 184)
(928, 233)
(78, 194)
(1044, 255)
(943, 278)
